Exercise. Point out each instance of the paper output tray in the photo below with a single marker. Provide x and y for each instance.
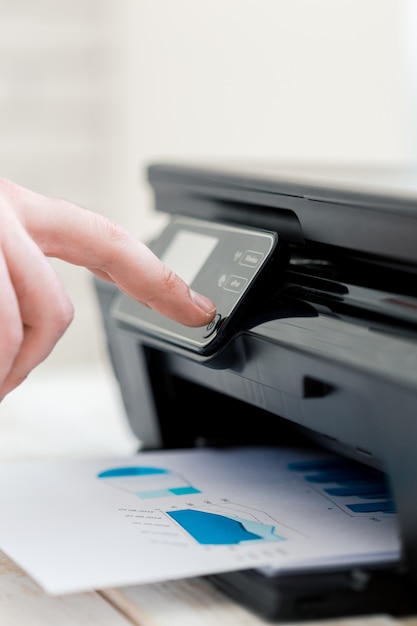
(321, 594)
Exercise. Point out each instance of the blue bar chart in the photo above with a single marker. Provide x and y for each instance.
(356, 488)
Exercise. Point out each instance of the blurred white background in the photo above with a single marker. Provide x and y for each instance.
(93, 90)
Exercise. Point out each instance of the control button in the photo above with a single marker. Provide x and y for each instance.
(235, 283)
(213, 325)
(251, 258)
(222, 280)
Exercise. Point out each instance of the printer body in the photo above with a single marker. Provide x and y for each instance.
(319, 347)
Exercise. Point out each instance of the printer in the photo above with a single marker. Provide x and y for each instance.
(314, 273)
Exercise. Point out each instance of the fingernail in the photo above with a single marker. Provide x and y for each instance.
(203, 303)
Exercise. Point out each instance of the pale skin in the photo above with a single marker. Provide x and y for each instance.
(35, 309)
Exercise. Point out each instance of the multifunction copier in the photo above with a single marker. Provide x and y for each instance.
(314, 273)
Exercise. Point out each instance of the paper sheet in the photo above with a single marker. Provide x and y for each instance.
(78, 525)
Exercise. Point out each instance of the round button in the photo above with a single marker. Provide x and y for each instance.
(213, 325)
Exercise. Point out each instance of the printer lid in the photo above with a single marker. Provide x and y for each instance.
(371, 210)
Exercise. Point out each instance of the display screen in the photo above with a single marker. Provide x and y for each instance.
(187, 253)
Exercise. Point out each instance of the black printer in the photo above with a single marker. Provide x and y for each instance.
(314, 271)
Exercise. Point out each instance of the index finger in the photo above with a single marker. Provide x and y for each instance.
(82, 237)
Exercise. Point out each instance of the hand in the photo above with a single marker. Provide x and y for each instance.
(35, 310)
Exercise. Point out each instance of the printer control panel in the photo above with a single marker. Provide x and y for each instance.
(221, 261)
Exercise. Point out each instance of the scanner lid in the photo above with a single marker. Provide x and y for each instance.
(367, 209)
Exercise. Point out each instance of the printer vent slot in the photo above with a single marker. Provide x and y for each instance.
(315, 388)
(345, 267)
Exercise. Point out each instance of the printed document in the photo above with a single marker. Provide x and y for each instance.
(78, 525)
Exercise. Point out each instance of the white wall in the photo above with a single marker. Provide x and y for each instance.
(270, 78)
(92, 90)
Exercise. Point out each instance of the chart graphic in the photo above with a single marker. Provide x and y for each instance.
(213, 529)
(352, 486)
(207, 522)
(148, 482)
